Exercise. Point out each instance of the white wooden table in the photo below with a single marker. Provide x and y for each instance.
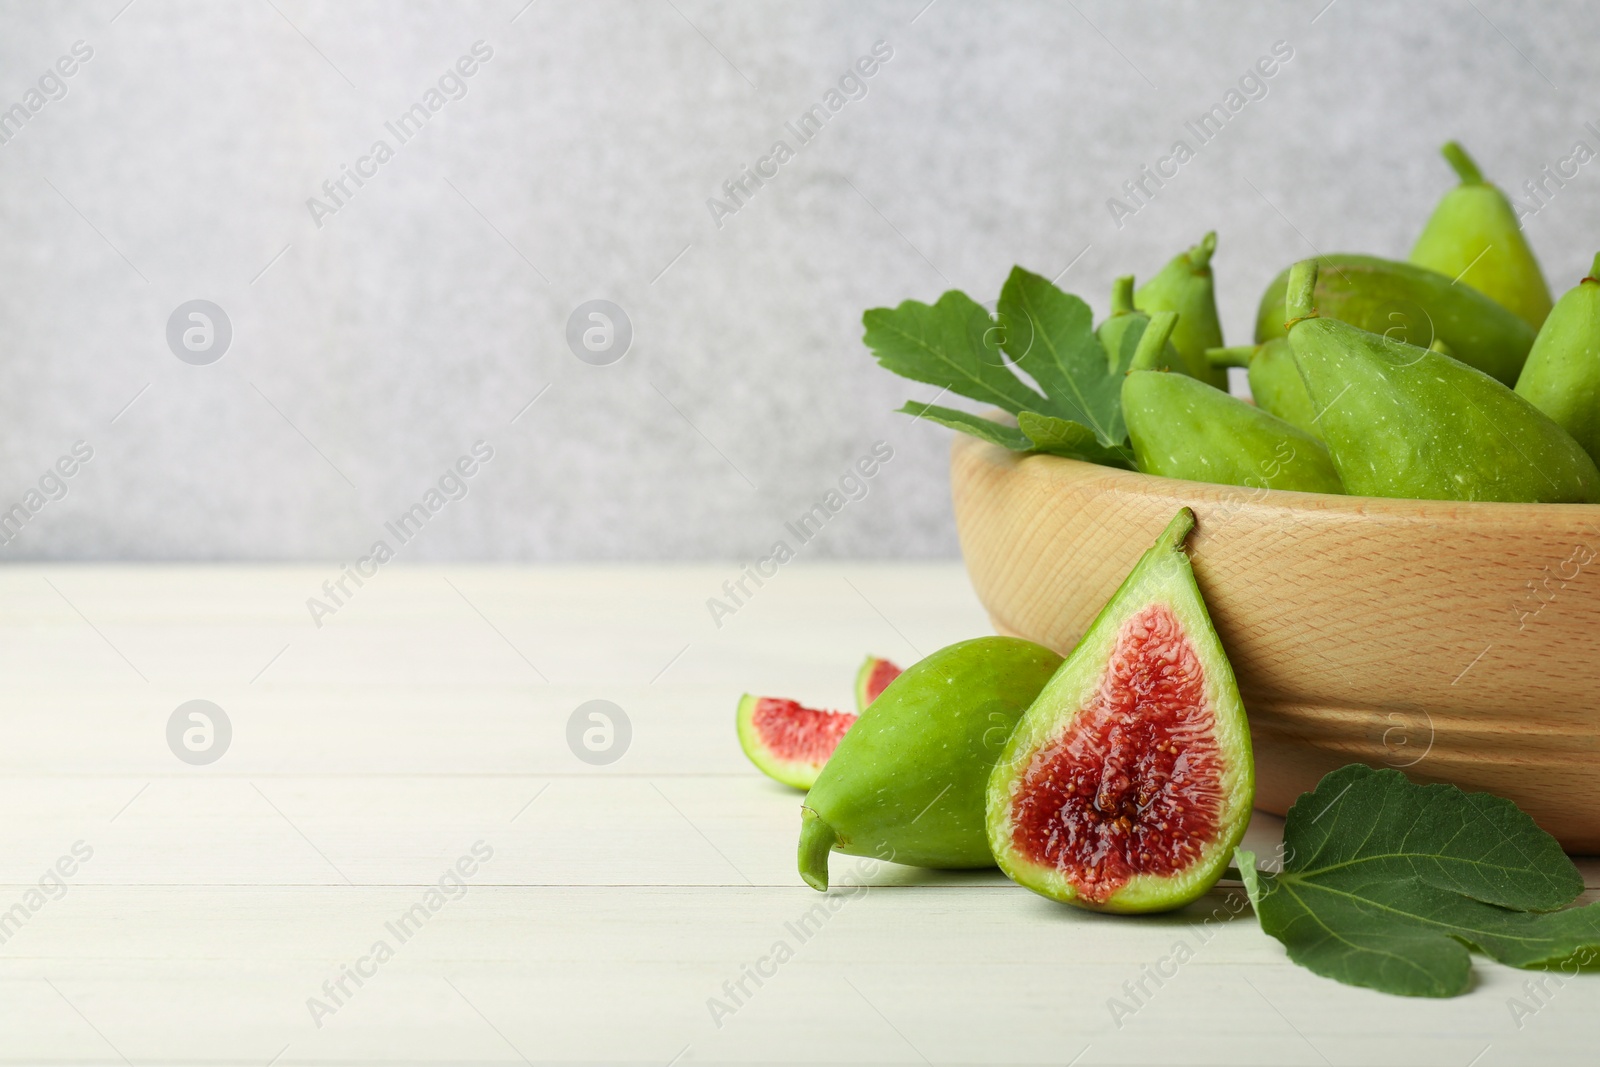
(429, 715)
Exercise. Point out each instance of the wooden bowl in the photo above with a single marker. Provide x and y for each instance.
(1458, 642)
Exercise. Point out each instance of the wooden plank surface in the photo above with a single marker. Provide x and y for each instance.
(621, 906)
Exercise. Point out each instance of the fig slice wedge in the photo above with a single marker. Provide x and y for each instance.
(873, 678)
(787, 741)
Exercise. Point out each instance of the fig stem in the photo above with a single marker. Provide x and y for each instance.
(1153, 342)
(1594, 270)
(1462, 164)
(1301, 290)
(1238, 356)
(817, 839)
(1200, 255)
(1122, 296)
(1177, 530)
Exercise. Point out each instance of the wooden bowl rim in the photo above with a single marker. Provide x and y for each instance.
(1484, 512)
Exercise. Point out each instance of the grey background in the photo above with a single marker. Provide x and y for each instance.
(429, 310)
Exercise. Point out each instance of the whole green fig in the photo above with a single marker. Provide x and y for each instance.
(1184, 428)
(907, 781)
(1404, 421)
(1408, 303)
(1562, 375)
(1185, 286)
(1120, 334)
(1474, 237)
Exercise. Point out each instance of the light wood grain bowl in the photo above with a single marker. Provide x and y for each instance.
(1458, 642)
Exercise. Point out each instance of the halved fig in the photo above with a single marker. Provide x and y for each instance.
(1129, 781)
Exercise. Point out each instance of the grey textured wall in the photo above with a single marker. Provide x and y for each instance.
(428, 308)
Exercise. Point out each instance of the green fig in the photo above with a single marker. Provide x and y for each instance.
(1409, 303)
(1474, 237)
(1185, 286)
(1562, 375)
(906, 783)
(1275, 382)
(1403, 421)
(1184, 428)
(1120, 333)
(1129, 782)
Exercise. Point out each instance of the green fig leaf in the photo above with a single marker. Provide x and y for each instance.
(1050, 334)
(953, 344)
(1062, 437)
(995, 433)
(1387, 884)
(956, 344)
